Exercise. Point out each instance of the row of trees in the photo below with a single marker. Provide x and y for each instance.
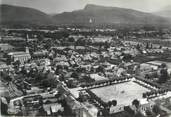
(104, 83)
(147, 94)
(100, 101)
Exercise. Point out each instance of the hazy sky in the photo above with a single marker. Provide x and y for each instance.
(58, 6)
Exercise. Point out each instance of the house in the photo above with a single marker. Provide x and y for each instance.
(3, 66)
(6, 47)
(97, 77)
(40, 54)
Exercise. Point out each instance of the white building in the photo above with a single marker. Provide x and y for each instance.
(21, 56)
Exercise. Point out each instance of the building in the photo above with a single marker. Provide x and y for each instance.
(12, 39)
(3, 66)
(123, 92)
(5, 47)
(40, 54)
(21, 56)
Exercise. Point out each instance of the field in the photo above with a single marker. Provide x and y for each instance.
(124, 93)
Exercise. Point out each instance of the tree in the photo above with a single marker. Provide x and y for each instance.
(163, 65)
(147, 45)
(156, 109)
(163, 76)
(16, 64)
(138, 46)
(106, 45)
(58, 69)
(109, 103)
(149, 113)
(101, 69)
(4, 106)
(129, 110)
(80, 42)
(49, 82)
(74, 75)
(160, 47)
(136, 103)
(114, 102)
(71, 39)
(127, 57)
(5, 76)
(23, 71)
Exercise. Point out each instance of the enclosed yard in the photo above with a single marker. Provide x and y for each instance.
(124, 93)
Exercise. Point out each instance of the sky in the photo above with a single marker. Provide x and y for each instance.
(59, 6)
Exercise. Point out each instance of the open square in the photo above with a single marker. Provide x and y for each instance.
(124, 93)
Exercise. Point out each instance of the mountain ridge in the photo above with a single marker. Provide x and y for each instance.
(94, 13)
(17, 14)
(108, 15)
(164, 12)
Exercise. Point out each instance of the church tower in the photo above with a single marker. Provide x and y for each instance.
(27, 50)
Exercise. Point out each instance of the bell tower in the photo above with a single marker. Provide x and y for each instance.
(27, 50)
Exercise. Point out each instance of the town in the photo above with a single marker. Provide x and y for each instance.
(85, 72)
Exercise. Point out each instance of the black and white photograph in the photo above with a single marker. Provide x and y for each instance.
(85, 58)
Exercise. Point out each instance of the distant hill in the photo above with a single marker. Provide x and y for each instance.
(22, 15)
(90, 15)
(164, 12)
(94, 14)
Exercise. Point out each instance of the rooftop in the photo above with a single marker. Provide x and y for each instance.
(17, 53)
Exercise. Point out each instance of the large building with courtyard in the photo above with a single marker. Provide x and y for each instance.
(114, 96)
